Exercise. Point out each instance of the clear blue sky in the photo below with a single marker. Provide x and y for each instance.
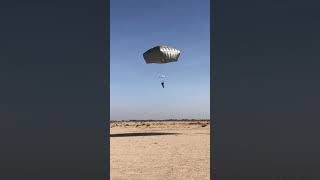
(136, 26)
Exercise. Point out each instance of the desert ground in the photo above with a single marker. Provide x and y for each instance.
(160, 150)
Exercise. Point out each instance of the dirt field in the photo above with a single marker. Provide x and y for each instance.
(160, 150)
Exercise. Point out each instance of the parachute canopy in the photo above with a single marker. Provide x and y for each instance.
(161, 55)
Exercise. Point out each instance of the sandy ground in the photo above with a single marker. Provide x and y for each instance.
(160, 150)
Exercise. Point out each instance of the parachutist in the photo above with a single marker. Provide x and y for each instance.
(162, 83)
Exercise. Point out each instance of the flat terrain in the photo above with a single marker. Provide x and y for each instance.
(160, 150)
